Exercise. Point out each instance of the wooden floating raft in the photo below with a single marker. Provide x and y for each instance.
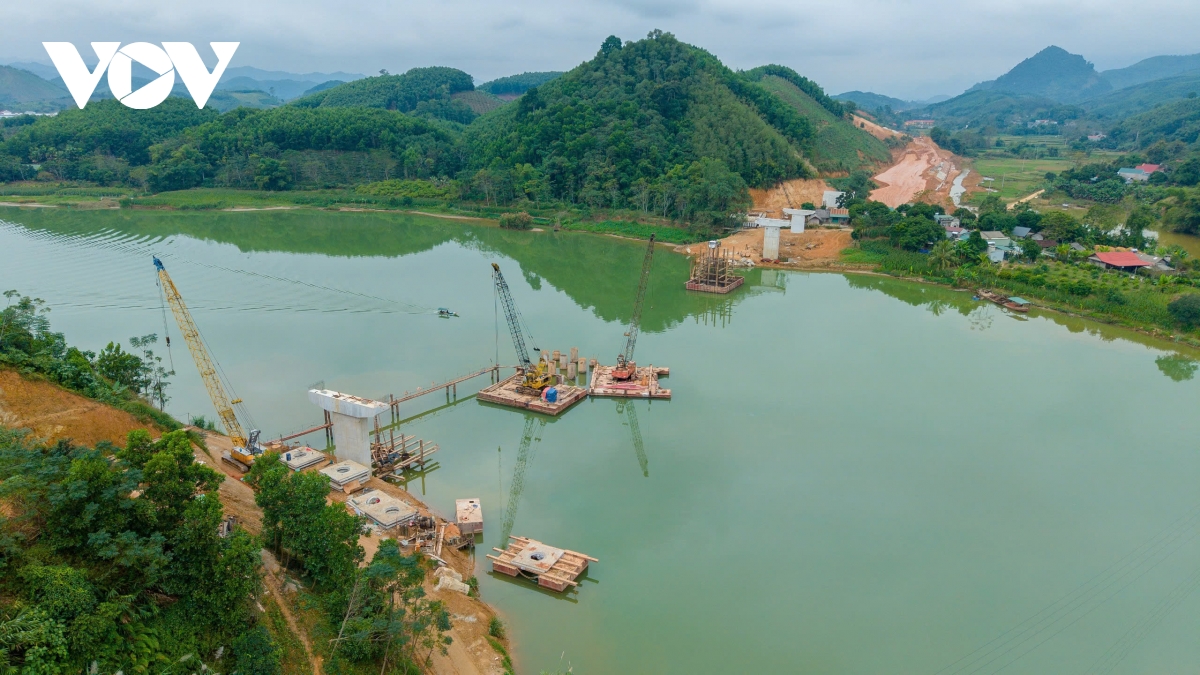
(505, 393)
(644, 385)
(1004, 301)
(554, 568)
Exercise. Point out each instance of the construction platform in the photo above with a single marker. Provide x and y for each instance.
(505, 393)
(553, 568)
(643, 385)
(734, 282)
(383, 509)
(469, 515)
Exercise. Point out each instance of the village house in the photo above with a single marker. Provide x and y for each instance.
(956, 233)
(946, 220)
(840, 217)
(1139, 173)
(997, 239)
(1126, 261)
(919, 124)
(1021, 232)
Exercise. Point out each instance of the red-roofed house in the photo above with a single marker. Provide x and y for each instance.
(1127, 261)
(1149, 168)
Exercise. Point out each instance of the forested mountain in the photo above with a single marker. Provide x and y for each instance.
(618, 128)
(1153, 68)
(514, 85)
(1174, 123)
(1052, 73)
(1139, 98)
(986, 108)
(421, 90)
(871, 101)
(23, 90)
(838, 145)
(655, 125)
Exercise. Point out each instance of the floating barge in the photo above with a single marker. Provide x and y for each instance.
(643, 385)
(505, 393)
(1014, 303)
(553, 568)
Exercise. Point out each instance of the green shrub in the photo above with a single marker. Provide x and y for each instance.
(496, 628)
(257, 653)
(516, 221)
(1186, 309)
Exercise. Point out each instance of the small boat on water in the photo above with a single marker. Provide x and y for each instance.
(446, 313)
(1014, 303)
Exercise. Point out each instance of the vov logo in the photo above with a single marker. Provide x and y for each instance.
(171, 58)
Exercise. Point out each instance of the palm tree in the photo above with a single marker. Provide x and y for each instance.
(943, 256)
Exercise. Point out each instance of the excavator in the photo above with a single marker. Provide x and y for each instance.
(535, 377)
(626, 369)
(245, 448)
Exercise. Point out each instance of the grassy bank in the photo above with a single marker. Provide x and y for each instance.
(625, 223)
(1080, 288)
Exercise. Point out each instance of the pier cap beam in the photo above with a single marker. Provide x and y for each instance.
(351, 416)
(346, 404)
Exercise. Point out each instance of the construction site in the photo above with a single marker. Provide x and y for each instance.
(367, 456)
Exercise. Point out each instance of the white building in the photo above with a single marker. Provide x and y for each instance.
(830, 198)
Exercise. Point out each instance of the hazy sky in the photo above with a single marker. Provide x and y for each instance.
(909, 49)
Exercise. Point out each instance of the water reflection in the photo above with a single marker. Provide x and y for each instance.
(1177, 367)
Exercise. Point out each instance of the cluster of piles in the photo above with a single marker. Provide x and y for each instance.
(383, 509)
(302, 458)
(346, 476)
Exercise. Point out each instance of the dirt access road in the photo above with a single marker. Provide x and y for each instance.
(469, 652)
(922, 172)
(809, 250)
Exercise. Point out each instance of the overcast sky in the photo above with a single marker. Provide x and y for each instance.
(908, 49)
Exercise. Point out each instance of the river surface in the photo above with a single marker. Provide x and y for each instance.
(856, 474)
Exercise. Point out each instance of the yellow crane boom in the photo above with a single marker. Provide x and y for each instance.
(243, 452)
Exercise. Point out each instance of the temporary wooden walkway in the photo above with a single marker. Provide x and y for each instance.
(644, 385)
(450, 387)
(505, 393)
(554, 568)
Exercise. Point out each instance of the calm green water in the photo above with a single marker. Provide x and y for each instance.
(856, 475)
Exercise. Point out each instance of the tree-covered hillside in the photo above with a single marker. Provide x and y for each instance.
(612, 130)
(656, 126)
(420, 90)
(839, 146)
(1177, 122)
(515, 85)
(1052, 73)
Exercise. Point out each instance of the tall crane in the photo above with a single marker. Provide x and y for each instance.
(625, 368)
(529, 439)
(537, 377)
(244, 447)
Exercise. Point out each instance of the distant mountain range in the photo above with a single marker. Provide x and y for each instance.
(46, 92)
(1054, 85)
(871, 101)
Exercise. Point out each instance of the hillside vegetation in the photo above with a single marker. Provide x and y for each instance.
(1153, 68)
(23, 90)
(619, 129)
(839, 146)
(1052, 73)
(515, 85)
(655, 126)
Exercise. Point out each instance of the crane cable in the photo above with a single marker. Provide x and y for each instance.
(162, 299)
